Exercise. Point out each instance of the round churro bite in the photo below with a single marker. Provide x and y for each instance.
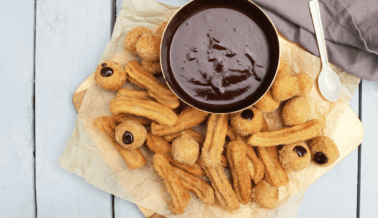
(132, 37)
(296, 111)
(267, 103)
(295, 156)
(185, 149)
(161, 28)
(265, 195)
(148, 47)
(324, 151)
(130, 134)
(247, 122)
(152, 67)
(304, 84)
(110, 75)
(285, 85)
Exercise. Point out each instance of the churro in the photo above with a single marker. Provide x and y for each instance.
(201, 188)
(286, 135)
(324, 151)
(187, 119)
(132, 37)
(274, 172)
(296, 111)
(247, 122)
(237, 160)
(179, 194)
(133, 158)
(154, 87)
(265, 195)
(145, 108)
(258, 167)
(130, 134)
(122, 117)
(217, 126)
(222, 187)
(200, 139)
(295, 156)
(185, 149)
(267, 103)
(110, 75)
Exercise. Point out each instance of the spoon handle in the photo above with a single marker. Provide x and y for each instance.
(315, 13)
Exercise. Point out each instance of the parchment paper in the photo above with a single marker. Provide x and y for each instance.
(89, 154)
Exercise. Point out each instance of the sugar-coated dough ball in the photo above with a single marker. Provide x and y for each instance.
(152, 67)
(285, 85)
(265, 195)
(247, 122)
(324, 151)
(304, 84)
(148, 47)
(185, 149)
(161, 28)
(296, 111)
(267, 103)
(130, 134)
(295, 156)
(110, 75)
(132, 37)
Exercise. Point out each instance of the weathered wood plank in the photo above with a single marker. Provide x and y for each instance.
(335, 193)
(369, 150)
(71, 36)
(16, 110)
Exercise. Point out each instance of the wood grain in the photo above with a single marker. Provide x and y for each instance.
(66, 53)
(16, 110)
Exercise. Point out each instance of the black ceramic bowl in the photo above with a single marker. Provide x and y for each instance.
(251, 10)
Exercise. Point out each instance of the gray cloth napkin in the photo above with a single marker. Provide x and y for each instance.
(350, 28)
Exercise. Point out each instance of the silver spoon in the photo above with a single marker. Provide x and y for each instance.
(328, 81)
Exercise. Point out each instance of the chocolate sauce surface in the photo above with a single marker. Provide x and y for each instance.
(219, 56)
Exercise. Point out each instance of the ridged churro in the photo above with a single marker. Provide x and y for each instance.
(179, 194)
(200, 139)
(222, 187)
(215, 138)
(237, 160)
(145, 108)
(154, 87)
(122, 117)
(274, 172)
(258, 166)
(202, 189)
(286, 135)
(188, 118)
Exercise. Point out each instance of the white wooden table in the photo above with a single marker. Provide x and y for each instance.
(47, 49)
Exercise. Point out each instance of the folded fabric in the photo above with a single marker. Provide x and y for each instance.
(350, 28)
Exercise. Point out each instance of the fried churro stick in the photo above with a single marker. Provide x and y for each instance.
(258, 166)
(179, 194)
(287, 135)
(119, 118)
(274, 172)
(224, 161)
(133, 93)
(203, 190)
(133, 158)
(222, 187)
(154, 88)
(187, 119)
(237, 159)
(158, 145)
(196, 136)
(215, 137)
(145, 108)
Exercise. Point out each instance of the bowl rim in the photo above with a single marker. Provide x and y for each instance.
(236, 111)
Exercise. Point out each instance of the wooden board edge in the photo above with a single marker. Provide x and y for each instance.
(78, 96)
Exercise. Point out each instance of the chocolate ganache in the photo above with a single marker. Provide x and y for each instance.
(219, 56)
